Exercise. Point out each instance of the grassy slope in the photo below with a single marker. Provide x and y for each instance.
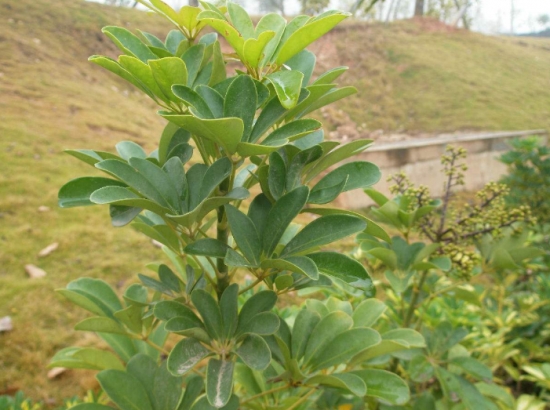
(51, 99)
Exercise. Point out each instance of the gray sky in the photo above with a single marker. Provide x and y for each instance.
(493, 16)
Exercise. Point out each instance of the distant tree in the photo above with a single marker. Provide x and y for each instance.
(268, 6)
(543, 20)
(419, 8)
(314, 6)
(364, 6)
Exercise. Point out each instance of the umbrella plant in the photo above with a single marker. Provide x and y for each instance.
(237, 165)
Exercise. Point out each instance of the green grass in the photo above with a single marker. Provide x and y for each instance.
(51, 98)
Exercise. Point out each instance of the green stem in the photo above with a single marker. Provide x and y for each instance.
(265, 393)
(223, 236)
(414, 299)
(302, 399)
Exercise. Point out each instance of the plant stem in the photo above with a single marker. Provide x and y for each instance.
(265, 393)
(223, 237)
(414, 299)
(302, 399)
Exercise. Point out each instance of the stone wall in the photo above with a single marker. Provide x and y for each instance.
(420, 159)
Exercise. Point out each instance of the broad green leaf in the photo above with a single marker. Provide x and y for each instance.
(280, 216)
(193, 99)
(322, 231)
(169, 309)
(233, 37)
(292, 131)
(330, 76)
(245, 234)
(499, 393)
(325, 332)
(240, 102)
(332, 96)
(136, 295)
(344, 347)
(379, 198)
(167, 72)
(207, 247)
(409, 337)
(253, 48)
(246, 149)
(213, 99)
(229, 309)
(131, 317)
(203, 404)
(172, 136)
(271, 22)
(455, 386)
(306, 35)
(344, 381)
(167, 388)
(133, 178)
(372, 228)
(193, 389)
(193, 58)
(339, 154)
(297, 264)
(129, 149)
(226, 132)
(240, 19)
(125, 197)
(340, 266)
(101, 324)
(124, 390)
(214, 176)
(219, 382)
(258, 212)
(94, 295)
(86, 358)
(78, 191)
(90, 157)
(387, 256)
(276, 178)
(358, 174)
(385, 347)
(143, 368)
(185, 355)
(209, 311)
(304, 62)
(368, 312)
(473, 368)
(262, 301)
(254, 352)
(153, 40)
(143, 73)
(129, 43)
(264, 324)
(287, 85)
(305, 322)
(384, 385)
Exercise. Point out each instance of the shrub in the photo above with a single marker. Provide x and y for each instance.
(226, 345)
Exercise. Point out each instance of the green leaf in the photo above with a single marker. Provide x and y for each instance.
(325, 332)
(331, 75)
(169, 309)
(253, 48)
(384, 385)
(288, 85)
(185, 355)
(207, 247)
(292, 131)
(193, 389)
(306, 35)
(131, 317)
(280, 216)
(339, 154)
(344, 381)
(193, 99)
(233, 37)
(387, 256)
(193, 58)
(78, 191)
(358, 174)
(383, 348)
(240, 102)
(129, 149)
(305, 322)
(368, 312)
(245, 234)
(264, 324)
(219, 382)
(167, 72)
(124, 390)
(473, 368)
(372, 228)
(167, 388)
(129, 43)
(343, 267)
(254, 352)
(214, 176)
(229, 310)
(172, 136)
(100, 324)
(213, 99)
(240, 20)
(408, 337)
(276, 178)
(344, 347)
(322, 231)
(125, 197)
(226, 132)
(262, 301)
(258, 212)
(86, 358)
(332, 96)
(209, 311)
(297, 264)
(203, 404)
(304, 62)
(496, 392)
(455, 386)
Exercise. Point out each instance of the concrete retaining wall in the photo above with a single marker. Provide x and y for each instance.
(421, 161)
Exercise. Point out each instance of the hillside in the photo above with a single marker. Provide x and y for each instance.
(411, 77)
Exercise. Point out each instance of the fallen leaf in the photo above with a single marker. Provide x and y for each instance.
(48, 249)
(56, 371)
(34, 271)
(43, 208)
(157, 244)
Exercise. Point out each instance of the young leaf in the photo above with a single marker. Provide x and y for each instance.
(287, 85)
(129, 43)
(240, 102)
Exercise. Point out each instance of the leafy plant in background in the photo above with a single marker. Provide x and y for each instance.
(225, 343)
(431, 286)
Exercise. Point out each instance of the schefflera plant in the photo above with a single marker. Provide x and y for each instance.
(250, 131)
